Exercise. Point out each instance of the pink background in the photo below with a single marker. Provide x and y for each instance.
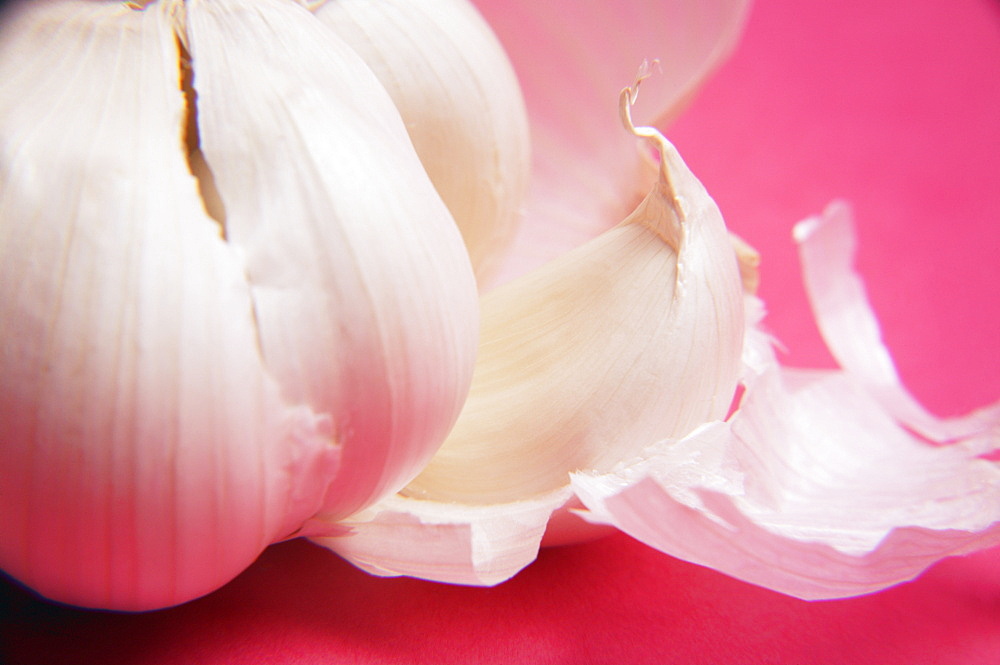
(893, 105)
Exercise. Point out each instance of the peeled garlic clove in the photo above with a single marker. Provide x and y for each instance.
(633, 338)
(146, 456)
(461, 104)
(364, 298)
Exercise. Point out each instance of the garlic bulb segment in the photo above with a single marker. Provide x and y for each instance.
(461, 103)
(631, 338)
(146, 454)
(364, 298)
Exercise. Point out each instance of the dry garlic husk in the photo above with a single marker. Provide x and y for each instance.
(632, 338)
(191, 368)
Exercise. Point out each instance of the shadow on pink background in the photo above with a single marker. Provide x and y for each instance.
(893, 105)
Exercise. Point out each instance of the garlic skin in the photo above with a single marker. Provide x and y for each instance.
(818, 486)
(179, 391)
(827, 245)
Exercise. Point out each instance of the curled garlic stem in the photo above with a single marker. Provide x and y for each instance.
(626, 99)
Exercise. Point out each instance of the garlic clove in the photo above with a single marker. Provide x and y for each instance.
(364, 298)
(631, 338)
(146, 456)
(830, 493)
(570, 201)
(461, 104)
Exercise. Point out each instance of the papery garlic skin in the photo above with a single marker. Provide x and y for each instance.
(178, 391)
(827, 244)
(461, 104)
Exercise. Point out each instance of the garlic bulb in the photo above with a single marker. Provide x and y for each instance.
(179, 390)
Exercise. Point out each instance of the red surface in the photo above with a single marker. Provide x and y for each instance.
(894, 105)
